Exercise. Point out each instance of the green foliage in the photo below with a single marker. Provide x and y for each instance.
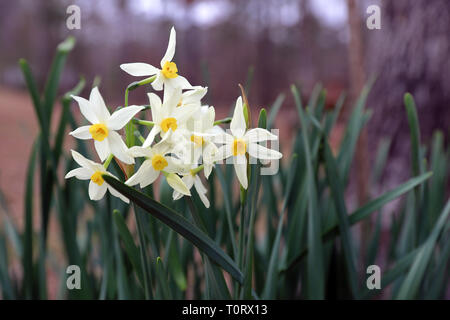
(305, 245)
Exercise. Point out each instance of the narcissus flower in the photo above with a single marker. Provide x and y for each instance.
(167, 76)
(191, 179)
(199, 131)
(158, 160)
(93, 171)
(167, 116)
(104, 126)
(240, 142)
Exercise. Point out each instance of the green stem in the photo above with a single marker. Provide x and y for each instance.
(108, 161)
(129, 129)
(221, 121)
(143, 122)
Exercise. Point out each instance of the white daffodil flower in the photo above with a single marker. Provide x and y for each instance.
(157, 160)
(191, 179)
(93, 171)
(167, 76)
(200, 130)
(104, 126)
(167, 116)
(241, 141)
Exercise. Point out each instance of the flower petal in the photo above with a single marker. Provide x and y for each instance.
(99, 105)
(157, 84)
(170, 52)
(79, 173)
(222, 137)
(201, 190)
(121, 117)
(103, 149)
(259, 135)
(82, 133)
(223, 152)
(237, 125)
(97, 192)
(240, 166)
(155, 104)
(139, 69)
(87, 110)
(177, 184)
(151, 136)
(117, 194)
(118, 148)
(82, 161)
(260, 152)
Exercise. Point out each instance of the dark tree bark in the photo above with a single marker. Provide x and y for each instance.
(411, 53)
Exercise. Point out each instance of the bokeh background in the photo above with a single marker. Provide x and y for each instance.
(219, 44)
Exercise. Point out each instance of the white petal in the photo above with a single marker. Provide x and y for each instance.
(82, 161)
(99, 105)
(82, 133)
(157, 84)
(179, 82)
(155, 107)
(118, 148)
(121, 117)
(223, 152)
(137, 151)
(237, 125)
(170, 52)
(207, 170)
(97, 192)
(176, 195)
(102, 148)
(151, 136)
(177, 184)
(260, 152)
(223, 137)
(87, 110)
(117, 194)
(259, 135)
(139, 69)
(240, 166)
(79, 173)
(194, 96)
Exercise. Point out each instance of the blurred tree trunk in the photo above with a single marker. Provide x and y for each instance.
(409, 54)
(357, 80)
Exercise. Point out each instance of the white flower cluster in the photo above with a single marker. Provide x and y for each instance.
(183, 140)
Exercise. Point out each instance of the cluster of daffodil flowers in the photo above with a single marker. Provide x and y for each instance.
(183, 140)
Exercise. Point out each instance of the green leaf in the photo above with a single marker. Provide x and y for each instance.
(315, 264)
(130, 247)
(413, 280)
(272, 273)
(274, 110)
(337, 192)
(182, 226)
(27, 260)
(51, 87)
(162, 280)
(364, 212)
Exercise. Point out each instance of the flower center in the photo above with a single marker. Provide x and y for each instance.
(97, 178)
(98, 131)
(197, 140)
(239, 147)
(159, 162)
(180, 103)
(169, 123)
(170, 70)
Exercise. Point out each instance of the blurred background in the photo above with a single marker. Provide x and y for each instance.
(224, 42)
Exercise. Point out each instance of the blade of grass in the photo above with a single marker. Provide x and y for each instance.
(315, 264)
(363, 212)
(413, 280)
(182, 226)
